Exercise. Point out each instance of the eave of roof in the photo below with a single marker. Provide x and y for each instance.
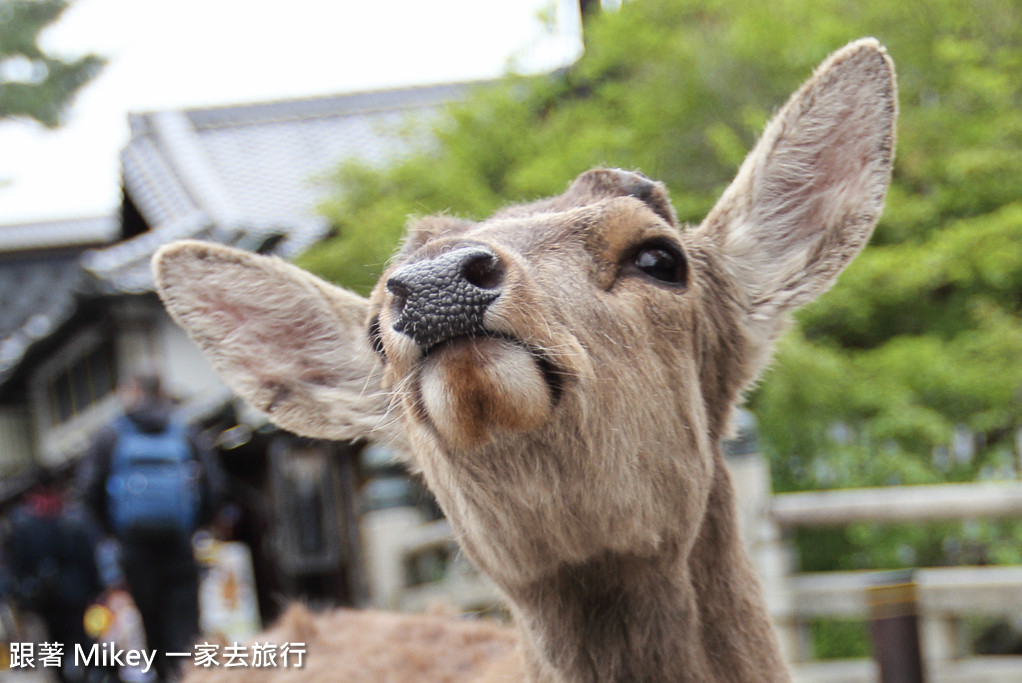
(61, 233)
(348, 104)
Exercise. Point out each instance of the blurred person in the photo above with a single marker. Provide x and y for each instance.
(153, 482)
(50, 553)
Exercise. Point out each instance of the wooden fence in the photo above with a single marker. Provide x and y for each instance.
(947, 596)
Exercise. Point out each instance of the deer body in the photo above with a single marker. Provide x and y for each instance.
(562, 374)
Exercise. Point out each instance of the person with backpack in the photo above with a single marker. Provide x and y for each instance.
(152, 482)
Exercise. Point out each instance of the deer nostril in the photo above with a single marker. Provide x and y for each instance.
(398, 292)
(484, 271)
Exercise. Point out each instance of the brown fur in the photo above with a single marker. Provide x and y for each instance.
(355, 646)
(573, 438)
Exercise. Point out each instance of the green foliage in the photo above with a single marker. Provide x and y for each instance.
(910, 369)
(839, 638)
(34, 84)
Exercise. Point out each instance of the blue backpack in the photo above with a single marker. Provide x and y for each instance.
(153, 488)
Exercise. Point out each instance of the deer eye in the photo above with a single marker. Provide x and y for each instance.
(663, 262)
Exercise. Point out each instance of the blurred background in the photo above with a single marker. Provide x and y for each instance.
(887, 435)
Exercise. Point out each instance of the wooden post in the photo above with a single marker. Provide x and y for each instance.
(358, 581)
(771, 555)
(894, 627)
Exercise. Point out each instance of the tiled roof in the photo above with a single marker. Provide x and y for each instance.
(250, 174)
(39, 279)
(37, 294)
(242, 175)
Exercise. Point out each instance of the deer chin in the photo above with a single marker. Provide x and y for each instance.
(473, 388)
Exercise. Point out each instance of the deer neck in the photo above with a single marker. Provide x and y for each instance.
(698, 616)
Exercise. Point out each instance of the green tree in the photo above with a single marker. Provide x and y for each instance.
(34, 84)
(910, 369)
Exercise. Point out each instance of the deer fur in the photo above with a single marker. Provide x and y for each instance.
(355, 646)
(565, 394)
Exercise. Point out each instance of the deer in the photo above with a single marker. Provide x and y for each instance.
(562, 374)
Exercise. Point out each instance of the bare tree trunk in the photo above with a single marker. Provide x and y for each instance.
(588, 9)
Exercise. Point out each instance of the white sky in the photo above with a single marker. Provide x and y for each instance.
(173, 54)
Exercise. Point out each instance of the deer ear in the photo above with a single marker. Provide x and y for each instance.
(290, 344)
(808, 195)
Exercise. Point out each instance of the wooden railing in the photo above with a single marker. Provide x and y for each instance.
(898, 504)
(947, 596)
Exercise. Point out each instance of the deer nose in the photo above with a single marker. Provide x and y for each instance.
(446, 296)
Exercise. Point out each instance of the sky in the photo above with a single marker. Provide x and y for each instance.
(175, 54)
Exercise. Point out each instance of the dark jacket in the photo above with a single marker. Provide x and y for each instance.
(51, 551)
(152, 418)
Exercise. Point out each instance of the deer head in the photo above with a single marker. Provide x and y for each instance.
(564, 370)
